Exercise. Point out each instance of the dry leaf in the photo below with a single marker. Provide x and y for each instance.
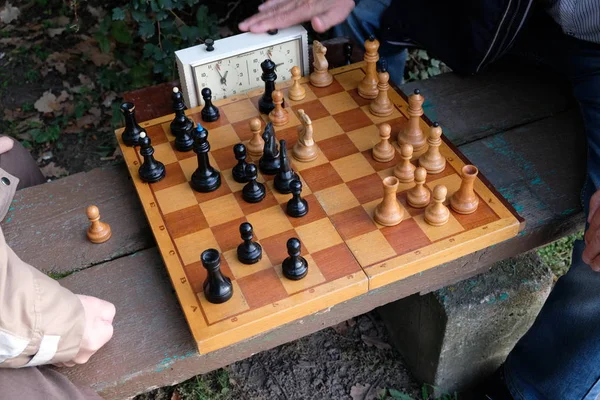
(95, 111)
(9, 13)
(86, 120)
(63, 97)
(100, 59)
(96, 12)
(86, 81)
(53, 171)
(61, 20)
(373, 341)
(341, 328)
(61, 68)
(108, 99)
(175, 396)
(46, 103)
(359, 392)
(52, 32)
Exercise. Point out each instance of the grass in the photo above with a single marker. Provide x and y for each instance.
(211, 386)
(557, 255)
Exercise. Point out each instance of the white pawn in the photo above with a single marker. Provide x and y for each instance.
(419, 196)
(432, 160)
(384, 151)
(405, 170)
(296, 91)
(437, 214)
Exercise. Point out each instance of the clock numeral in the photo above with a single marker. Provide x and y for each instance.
(254, 70)
(203, 75)
(241, 74)
(240, 84)
(291, 60)
(287, 52)
(237, 65)
(257, 79)
(262, 52)
(235, 92)
(255, 61)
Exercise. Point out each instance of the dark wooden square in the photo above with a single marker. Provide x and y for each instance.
(185, 221)
(406, 236)
(174, 176)
(358, 98)
(380, 166)
(315, 212)
(321, 177)
(352, 119)
(250, 208)
(156, 134)
(182, 155)
(336, 262)
(275, 246)
(262, 288)
(228, 234)
(353, 222)
(367, 188)
(196, 274)
(224, 157)
(337, 147)
(482, 216)
(334, 88)
(314, 109)
(222, 121)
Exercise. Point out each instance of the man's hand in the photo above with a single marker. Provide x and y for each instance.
(99, 316)
(6, 144)
(591, 254)
(279, 14)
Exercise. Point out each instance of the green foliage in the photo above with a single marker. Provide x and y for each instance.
(426, 394)
(212, 386)
(557, 255)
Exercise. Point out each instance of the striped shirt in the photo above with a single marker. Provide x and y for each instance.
(578, 18)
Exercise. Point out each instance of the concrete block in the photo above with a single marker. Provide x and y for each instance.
(456, 336)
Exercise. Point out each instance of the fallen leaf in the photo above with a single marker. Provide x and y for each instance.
(341, 328)
(46, 103)
(63, 97)
(10, 115)
(61, 20)
(108, 99)
(60, 67)
(86, 120)
(86, 81)
(9, 13)
(359, 392)
(15, 41)
(53, 171)
(95, 111)
(373, 341)
(71, 129)
(52, 32)
(96, 12)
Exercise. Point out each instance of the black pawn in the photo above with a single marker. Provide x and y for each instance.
(248, 252)
(131, 134)
(348, 47)
(239, 171)
(181, 127)
(210, 113)
(151, 170)
(265, 103)
(253, 191)
(217, 287)
(269, 163)
(295, 267)
(285, 174)
(296, 207)
(205, 178)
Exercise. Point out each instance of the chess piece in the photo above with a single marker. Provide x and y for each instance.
(437, 214)
(210, 113)
(269, 163)
(320, 77)
(239, 170)
(256, 144)
(464, 200)
(253, 191)
(297, 206)
(419, 196)
(367, 88)
(151, 170)
(348, 48)
(205, 178)
(286, 174)
(181, 126)
(265, 103)
(248, 252)
(382, 106)
(384, 151)
(405, 170)
(210, 44)
(294, 267)
(296, 92)
(413, 134)
(305, 149)
(131, 133)
(98, 232)
(279, 116)
(217, 287)
(389, 212)
(432, 160)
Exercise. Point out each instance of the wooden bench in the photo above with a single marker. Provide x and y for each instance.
(518, 126)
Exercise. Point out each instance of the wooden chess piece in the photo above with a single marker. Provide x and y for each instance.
(248, 252)
(256, 144)
(279, 116)
(294, 267)
(382, 106)
(384, 151)
(405, 170)
(98, 232)
(217, 287)
(320, 76)
(432, 160)
(296, 92)
(437, 214)
(413, 134)
(296, 206)
(205, 178)
(465, 201)
(305, 149)
(367, 88)
(389, 212)
(131, 133)
(419, 196)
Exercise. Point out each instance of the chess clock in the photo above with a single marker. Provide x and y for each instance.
(231, 66)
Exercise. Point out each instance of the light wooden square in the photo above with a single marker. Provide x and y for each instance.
(350, 80)
(452, 183)
(191, 246)
(325, 128)
(336, 199)
(284, 198)
(239, 111)
(377, 120)
(222, 136)
(220, 210)
(269, 222)
(240, 270)
(164, 153)
(166, 127)
(310, 96)
(233, 306)
(452, 227)
(189, 165)
(370, 248)
(318, 235)
(352, 167)
(339, 102)
(320, 160)
(175, 198)
(365, 138)
(312, 278)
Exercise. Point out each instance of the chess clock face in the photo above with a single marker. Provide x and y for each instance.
(233, 67)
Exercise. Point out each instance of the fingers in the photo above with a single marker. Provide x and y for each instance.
(594, 205)
(6, 144)
(334, 16)
(267, 5)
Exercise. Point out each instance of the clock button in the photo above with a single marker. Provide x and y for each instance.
(209, 44)
(273, 32)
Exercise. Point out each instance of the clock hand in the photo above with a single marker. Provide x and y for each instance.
(221, 76)
(224, 78)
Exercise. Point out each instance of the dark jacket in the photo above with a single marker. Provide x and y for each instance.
(465, 34)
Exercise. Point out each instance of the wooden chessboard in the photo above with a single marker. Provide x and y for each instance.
(348, 253)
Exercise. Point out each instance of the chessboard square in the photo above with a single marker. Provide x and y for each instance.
(402, 187)
(336, 199)
(290, 135)
(242, 129)
(310, 96)
(156, 134)
(435, 233)
(380, 166)
(182, 155)
(228, 234)
(452, 183)
(191, 246)
(292, 121)
(276, 246)
(319, 235)
(283, 198)
(372, 205)
(313, 278)
(448, 171)
(239, 110)
(173, 176)
(365, 138)
(269, 222)
(175, 198)
(222, 121)
(190, 165)
(406, 236)
(217, 312)
(262, 288)
(166, 127)
(358, 98)
(378, 120)
(222, 209)
(251, 208)
(482, 216)
(326, 128)
(337, 103)
(370, 248)
(224, 158)
(412, 211)
(336, 262)
(315, 212)
(196, 274)
(222, 137)
(240, 270)
(164, 153)
(314, 109)
(397, 125)
(320, 160)
(367, 188)
(337, 147)
(321, 177)
(352, 120)
(185, 221)
(350, 80)
(353, 222)
(215, 194)
(335, 87)
(352, 167)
